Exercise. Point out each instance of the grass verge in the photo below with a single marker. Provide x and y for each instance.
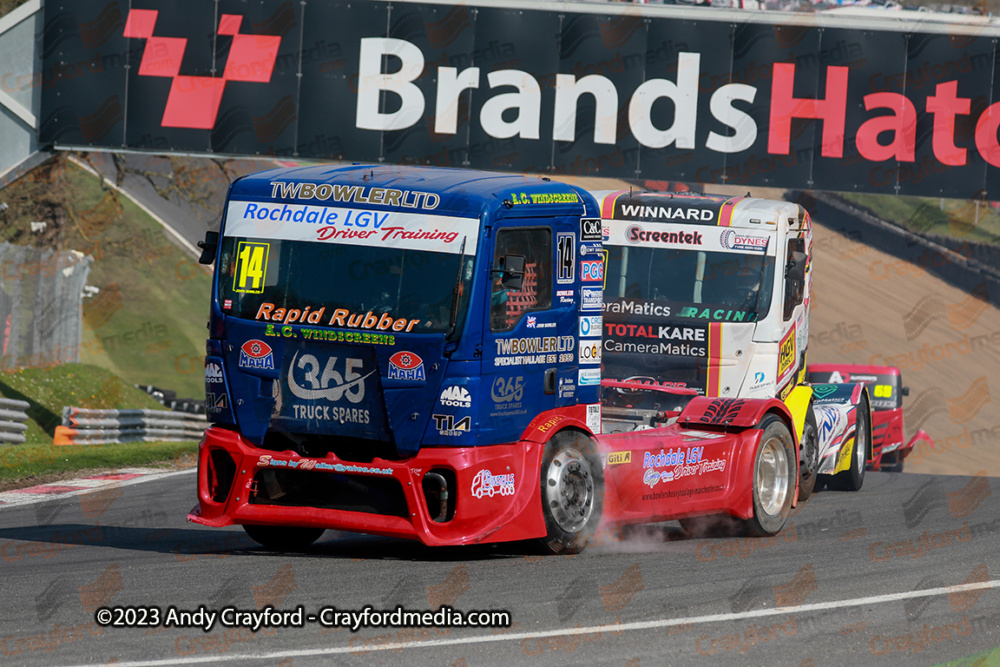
(955, 218)
(984, 659)
(26, 465)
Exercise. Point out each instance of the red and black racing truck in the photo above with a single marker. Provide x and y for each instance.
(416, 352)
(885, 383)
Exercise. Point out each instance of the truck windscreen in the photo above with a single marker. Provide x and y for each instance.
(690, 281)
(376, 288)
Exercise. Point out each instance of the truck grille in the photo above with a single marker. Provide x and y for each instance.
(309, 488)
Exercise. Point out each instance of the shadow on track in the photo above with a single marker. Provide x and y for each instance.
(828, 519)
(190, 543)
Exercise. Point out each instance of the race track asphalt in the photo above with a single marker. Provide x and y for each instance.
(855, 578)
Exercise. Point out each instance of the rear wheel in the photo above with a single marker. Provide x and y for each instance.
(808, 456)
(283, 537)
(773, 478)
(572, 483)
(854, 477)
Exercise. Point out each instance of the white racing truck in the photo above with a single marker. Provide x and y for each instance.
(709, 295)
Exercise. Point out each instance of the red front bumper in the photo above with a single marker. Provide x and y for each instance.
(494, 511)
(887, 437)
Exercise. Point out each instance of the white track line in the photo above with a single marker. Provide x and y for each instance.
(22, 499)
(562, 632)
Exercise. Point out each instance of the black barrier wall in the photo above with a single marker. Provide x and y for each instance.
(627, 94)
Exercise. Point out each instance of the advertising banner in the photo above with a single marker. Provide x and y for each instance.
(618, 91)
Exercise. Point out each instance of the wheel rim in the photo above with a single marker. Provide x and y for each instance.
(569, 490)
(772, 476)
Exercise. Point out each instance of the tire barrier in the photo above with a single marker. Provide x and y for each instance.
(168, 398)
(99, 427)
(13, 421)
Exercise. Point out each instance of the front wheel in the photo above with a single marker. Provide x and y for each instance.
(774, 472)
(572, 482)
(854, 477)
(290, 538)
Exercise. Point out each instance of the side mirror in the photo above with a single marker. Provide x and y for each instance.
(795, 280)
(208, 247)
(512, 272)
(905, 391)
(796, 268)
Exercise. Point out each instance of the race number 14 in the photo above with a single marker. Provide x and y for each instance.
(251, 265)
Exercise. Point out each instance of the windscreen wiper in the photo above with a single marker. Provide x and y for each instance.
(760, 282)
(457, 291)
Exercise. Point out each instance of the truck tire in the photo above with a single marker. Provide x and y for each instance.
(283, 538)
(808, 456)
(853, 478)
(774, 473)
(572, 484)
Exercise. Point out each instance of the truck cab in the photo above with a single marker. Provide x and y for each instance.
(393, 350)
(706, 292)
(710, 294)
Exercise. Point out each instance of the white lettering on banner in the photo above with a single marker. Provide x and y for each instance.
(721, 106)
(518, 114)
(371, 81)
(301, 222)
(409, 103)
(603, 92)
(527, 100)
(684, 95)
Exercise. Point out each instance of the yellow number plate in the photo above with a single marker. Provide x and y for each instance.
(251, 267)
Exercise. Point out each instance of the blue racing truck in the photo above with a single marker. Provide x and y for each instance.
(351, 375)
